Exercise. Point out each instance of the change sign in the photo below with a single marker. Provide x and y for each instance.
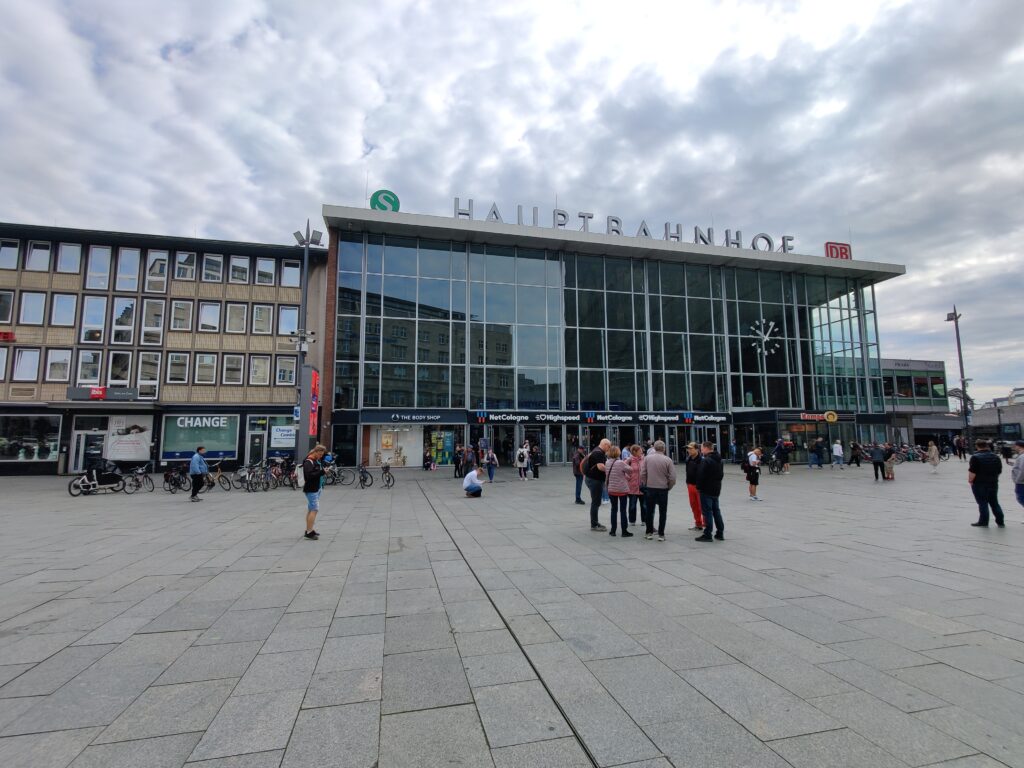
(183, 434)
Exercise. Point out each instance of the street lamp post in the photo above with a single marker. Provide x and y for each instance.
(965, 401)
(303, 337)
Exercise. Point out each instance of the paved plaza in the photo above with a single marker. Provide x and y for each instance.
(842, 622)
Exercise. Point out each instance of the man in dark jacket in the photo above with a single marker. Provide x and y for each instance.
(709, 484)
(312, 484)
(594, 477)
(577, 460)
(983, 475)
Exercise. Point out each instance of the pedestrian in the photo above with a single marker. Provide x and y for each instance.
(618, 472)
(933, 456)
(658, 475)
(492, 464)
(197, 471)
(636, 492)
(856, 453)
(428, 460)
(523, 460)
(469, 458)
(983, 475)
(312, 485)
(837, 455)
(535, 461)
(457, 458)
(733, 450)
(753, 471)
(961, 447)
(877, 456)
(1017, 473)
(577, 472)
(816, 455)
(594, 476)
(709, 485)
(692, 462)
(890, 461)
(471, 483)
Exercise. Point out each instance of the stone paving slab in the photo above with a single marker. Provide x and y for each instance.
(425, 628)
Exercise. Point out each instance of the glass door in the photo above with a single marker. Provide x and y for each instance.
(87, 450)
(554, 452)
(256, 447)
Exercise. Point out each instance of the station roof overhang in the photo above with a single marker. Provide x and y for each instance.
(344, 218)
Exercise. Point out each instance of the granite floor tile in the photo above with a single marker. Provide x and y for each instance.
(308, 638)
(884, 686)
(1003, 744)
(169, 709)
(210, 662)
(518, 713)
(357, 625)
(712, 740)
(272, 672)
(483, 643)
(434, 738)
(348, 686)
(834, 749)
(242, 626)
(45, 750)
(556, 753)
(351, 652)
(418, 632)
(329, 735)
(649, 691)
(159, 752)
(497, 668)
(881, 654)
(258, 723)
(531, 629)
(46, 677)
(473, 616)
(424, 680)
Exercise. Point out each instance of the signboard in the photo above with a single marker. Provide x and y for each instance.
(314, 402)
(384, 200)
(431, 416)
(114, 394)
(282, 437)
(183, 433)
(129, 438)
(838, 251)
(7, 336)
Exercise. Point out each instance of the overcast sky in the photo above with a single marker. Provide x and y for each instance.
(898, 127)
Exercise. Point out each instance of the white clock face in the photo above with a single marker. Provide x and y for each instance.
(767, 337)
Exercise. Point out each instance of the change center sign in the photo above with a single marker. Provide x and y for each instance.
(183, 434)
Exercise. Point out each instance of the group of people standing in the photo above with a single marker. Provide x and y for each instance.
(635, 480)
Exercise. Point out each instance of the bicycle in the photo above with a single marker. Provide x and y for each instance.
(774, 465)
(365, 478)
(139, 479)
(215, 478)
(386, 477)
(240, 478)
(177, 479)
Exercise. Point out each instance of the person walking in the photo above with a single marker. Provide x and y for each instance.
(932, 457)
(816, 455)
(753, 472)
(877, 456)
(961, 447)
(837, 455)
(458, 460)
(636, 494)
(709, 485)
(594, 476)
(658, 475)
(692, 464)
(618, 472)
(983, 475)
(471, 483)
(492, 464)
(523, 461)
(577, 472)
(197, 471)
(1017, 473)
(856, 453)
(312, 485)
(890, 461)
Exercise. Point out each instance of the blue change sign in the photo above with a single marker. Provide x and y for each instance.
(183, 434)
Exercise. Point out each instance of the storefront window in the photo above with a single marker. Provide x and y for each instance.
(29, 437)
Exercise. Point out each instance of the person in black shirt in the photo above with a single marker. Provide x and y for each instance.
(594, 477)
(983, 475)
(709, 484)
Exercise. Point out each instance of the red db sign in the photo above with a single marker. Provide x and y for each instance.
(838, 251)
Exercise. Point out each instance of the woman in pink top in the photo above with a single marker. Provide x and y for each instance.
(618, 473)
(636, 463)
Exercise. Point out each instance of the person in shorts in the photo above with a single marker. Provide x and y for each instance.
(753, 472)
(312, 485)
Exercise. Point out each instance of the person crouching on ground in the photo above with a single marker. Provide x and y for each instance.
(658, 474)
(471, 484)
(692, 465)
(618, 490)
(312, 485)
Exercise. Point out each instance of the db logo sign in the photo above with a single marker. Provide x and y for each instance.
(838, 251)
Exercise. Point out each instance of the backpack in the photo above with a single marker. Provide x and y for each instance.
(521, 456)
(745, 464)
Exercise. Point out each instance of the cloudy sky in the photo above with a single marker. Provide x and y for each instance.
(898, 127)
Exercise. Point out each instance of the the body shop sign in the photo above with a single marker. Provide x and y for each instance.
(183, 434)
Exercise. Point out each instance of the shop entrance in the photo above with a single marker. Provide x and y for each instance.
(268, 437)
(86, 450)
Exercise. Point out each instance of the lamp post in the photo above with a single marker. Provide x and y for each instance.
(303, 337)
(965, 401)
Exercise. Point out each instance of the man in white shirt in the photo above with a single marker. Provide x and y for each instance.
(471, 484)
(753, 473)
(837, 455)
(1017, 473)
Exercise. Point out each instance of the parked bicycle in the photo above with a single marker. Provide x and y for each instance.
(365, 478)
(214, 477)
(107, 478)
(177, 479)
(775, 465)
(139, 480)
(386, 477)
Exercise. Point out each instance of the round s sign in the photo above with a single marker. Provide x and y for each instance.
(384, 200)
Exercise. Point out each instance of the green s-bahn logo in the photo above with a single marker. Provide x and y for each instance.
(384, 200)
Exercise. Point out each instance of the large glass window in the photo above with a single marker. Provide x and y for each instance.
(29, 437)
(37, 257)
(33, 308)
(89, 367)
(184, 266)
(181, 315)
(63, 309)
(98, 272)
(177, 367)
(234, 366)
(235, 318)
(285, 371)
(3, 363)
(209, 317)
(290, 274)
(94, 319)
(156, 272)
(26, 365)
(119, 369)
(262, 319)
(149, 375)
(6, 306)
(287, 321)
(58, 365)
(153, 321)
(239, 272)
(213, 268)
(206, 368)
(265, 271)
(259, 370)
(124, 321)
(128, 269)
(8, 254)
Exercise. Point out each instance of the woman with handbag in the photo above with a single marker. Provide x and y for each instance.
(619, 473)
(636, 493)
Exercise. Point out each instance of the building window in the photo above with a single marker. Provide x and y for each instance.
(26, 365)
(234, 319)
(262, 318)
(37, 257)
(209, 317)
(128, 269)
(181, 315)
(177, 367)
(287, 321)
(156, 272)
(233, 365)
(89, 368)
(259, 370)
(290, 272)
(69, 258)
(8, 254)
(184, 266)
(98, 272)
(3, 363)
(94, 319)
(149, 375)
(58, 365)
(213, 268)
(119, 369)
(33, 308)
(153, 321)
(124, 321)
(285, 371)
(239, 271)
(63, 308)
(6, 306)
(206, 368)
(265, 270)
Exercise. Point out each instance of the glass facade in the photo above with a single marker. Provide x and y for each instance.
(446, 324)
